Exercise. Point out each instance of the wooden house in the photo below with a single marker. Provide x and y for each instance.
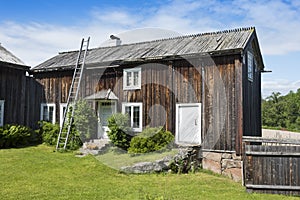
(18, 93)
(204, 88)
(12, 92)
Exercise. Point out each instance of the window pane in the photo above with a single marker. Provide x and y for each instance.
(250, 66)
(128, 79)
(136, 78)
(45, 113)
(50, 113)
(136, 116)
(128, 111)
(1, 110)
(64, 109)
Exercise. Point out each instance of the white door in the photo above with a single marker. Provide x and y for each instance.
(105, 110)
(188, 124)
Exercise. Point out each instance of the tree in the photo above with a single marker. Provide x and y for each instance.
(282, 111)
(85, 120)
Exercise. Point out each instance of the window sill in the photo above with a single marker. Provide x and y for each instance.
(131, 88)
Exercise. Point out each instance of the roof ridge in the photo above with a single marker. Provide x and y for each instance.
(173, 38)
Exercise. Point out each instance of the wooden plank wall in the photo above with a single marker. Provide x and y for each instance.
(165, 83)
(272, 169)
(252, 98)
(12, 91)
(32, 104)
(222, 125)
(22, 96)
(56, 87)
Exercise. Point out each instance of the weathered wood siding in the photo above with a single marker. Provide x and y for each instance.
(252, 96)
(217, 84)
(272, 169)
(12, 91)
(32, 104)
(56, 87)
(22, 96)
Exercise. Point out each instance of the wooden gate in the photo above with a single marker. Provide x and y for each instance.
(271, 165)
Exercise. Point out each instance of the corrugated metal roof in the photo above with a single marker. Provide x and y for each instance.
(8, 57)
(178, 46)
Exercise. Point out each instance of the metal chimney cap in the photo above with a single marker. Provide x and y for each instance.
(114, 37)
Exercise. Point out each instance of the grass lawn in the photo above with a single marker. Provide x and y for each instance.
(39, 173)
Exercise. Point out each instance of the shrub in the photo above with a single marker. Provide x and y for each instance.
(49, 132)
(151, 139)
(120, 131)
(85, 120)
(16, 136)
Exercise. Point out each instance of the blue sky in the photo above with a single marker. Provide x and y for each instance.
(36, 30)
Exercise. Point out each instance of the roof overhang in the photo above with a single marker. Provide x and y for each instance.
(102, 95)
(15, 66)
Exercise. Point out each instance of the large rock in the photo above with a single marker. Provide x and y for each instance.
(212, 156)
(148, 167)
(211, 165)
(234, 173)
(229, 163)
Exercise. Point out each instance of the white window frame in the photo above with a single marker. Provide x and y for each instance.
(140, 105)
(61, 112)
(2, 112)
(131, 85)
(250, 66)
(54, 111)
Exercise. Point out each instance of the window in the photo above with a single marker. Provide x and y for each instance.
(62, 108)
(48, 112)
(250, 66)
(1, 112)
(132, 79)
(134, 110)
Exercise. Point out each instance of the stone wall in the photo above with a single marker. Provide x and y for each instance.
(228, 164)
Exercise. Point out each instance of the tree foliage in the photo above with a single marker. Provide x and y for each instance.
(85, 120)
(282, 111)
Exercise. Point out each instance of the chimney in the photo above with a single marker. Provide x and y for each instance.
(117, 39)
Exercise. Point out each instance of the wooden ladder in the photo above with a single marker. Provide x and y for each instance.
(66, 126)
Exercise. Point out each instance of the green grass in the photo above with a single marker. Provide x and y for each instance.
(116, 158)
(40, 173)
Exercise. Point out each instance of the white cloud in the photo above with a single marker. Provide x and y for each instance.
(277, 24)
(279, 85)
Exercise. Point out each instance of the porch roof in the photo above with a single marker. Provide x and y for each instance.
(103, 95)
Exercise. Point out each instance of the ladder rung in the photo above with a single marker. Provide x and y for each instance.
(73, 92)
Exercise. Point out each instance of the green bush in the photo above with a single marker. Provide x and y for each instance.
(120, 132)
(151, 139)
(49, 133)
(17, 136)
(83, 127)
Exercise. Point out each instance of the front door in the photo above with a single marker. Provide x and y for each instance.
(105, 110)
(188, 124)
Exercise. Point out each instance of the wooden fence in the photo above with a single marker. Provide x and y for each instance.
(271, 165)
